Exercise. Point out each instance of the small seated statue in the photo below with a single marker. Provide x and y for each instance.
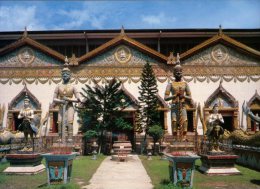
(214, 129)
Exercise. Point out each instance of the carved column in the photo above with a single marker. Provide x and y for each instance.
(248, 121)
(235, 119)
(165, 120)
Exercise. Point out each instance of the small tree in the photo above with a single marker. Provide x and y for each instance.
(148, 100)
(101, 110)
(156, 132)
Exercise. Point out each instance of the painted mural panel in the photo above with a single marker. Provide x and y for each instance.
(121, 56)
(27, 56)
(221, 55)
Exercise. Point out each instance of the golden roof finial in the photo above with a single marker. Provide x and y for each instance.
(178, 59)
(122, 32)
(66, 65)
(66, 61)
(220, 30)
(25, 33)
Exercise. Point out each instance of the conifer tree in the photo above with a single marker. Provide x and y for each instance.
(101, 111)
(148, 99)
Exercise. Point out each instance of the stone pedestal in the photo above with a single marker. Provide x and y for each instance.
(59, 167)
(219, 164)
(24, 164)
(181, 168)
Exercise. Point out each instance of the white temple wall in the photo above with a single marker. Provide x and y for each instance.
(200, 91)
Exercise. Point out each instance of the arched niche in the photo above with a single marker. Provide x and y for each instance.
(16, 105)
(254, 105)
(228, 107)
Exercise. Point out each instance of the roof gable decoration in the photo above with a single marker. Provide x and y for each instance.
(26, 55)
(129, 99)
(254, 102)
(221, 55)
(18, 100)
(123, 54)
(221, 97)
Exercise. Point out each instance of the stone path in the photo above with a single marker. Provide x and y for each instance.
(120, 175)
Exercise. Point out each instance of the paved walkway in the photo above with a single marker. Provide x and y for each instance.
(120, 175)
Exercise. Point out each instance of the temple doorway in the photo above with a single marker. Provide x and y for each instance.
(254, 105)
(125, 135)
(228, 107)
(16, 105)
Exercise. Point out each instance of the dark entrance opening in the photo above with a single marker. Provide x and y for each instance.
(55, 122)
(190, 120)
(127, 135)
(228, 123)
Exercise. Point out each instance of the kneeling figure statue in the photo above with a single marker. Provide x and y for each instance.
(214, 130)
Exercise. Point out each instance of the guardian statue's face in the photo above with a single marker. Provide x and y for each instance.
(66, 76)
(178, 73)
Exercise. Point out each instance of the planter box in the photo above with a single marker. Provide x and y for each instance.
(59, 167)
(181, 168)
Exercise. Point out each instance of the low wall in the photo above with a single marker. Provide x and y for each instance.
(248, 156)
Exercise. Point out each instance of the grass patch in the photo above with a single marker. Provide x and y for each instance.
(82, 171)
(157, 169)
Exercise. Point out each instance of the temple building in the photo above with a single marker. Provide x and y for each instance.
(220, 66)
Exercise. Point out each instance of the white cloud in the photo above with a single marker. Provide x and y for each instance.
(17, 17)
(158, 20)
(152, 19)
(88, 14)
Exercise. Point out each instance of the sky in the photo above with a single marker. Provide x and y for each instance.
(132, 14)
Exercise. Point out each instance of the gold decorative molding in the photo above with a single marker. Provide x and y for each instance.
(83, 74)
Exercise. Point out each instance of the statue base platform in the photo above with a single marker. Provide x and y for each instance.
(59, 167)
(219, 164)
(28, 164)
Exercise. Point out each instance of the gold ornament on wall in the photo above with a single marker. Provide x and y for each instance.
(26, 56)
(219, 53)
(123, 54)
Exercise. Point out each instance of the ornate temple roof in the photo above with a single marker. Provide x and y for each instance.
(26, 40)
(123, 38)
(20, 96)
(226, 95)
(224, 39)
